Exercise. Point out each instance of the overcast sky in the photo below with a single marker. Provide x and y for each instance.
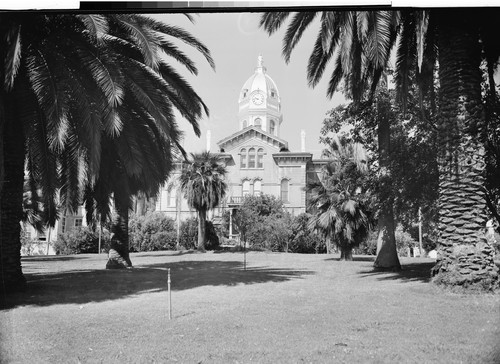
(235, 42)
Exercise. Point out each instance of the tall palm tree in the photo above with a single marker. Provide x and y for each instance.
(360, 42)
(65, 79)
(202, 181)
(464, 40)
(140, 159)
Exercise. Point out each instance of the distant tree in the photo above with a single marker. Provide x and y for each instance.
(202, 182)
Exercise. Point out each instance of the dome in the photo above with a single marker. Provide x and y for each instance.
(260, 80)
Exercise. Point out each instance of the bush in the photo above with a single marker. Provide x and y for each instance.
(303, 239)
(151, 232)
(189, 235)
(404, 241)
(369, 245)
(81, 241)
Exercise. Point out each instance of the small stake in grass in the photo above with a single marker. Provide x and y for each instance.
(169, 297)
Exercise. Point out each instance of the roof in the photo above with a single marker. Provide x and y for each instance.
(251, 131)
(260, 80)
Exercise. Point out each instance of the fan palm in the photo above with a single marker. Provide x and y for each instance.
(202, 181)
(65, 82)
(340, 213)
(360, 42)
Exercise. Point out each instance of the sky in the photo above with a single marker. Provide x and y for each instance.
(235, 41)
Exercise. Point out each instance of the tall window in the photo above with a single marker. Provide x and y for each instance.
(257, 187)
(171, 198)
(260, 158)
(63, 225)
(258, 123)
(243, 158)
(284, 190)
(251, 158)
(246, 187)
(272, 127)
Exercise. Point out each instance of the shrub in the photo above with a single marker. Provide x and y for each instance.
(303, 239)
(81, 240)
(152, 231)
(404, 241)
(189, 235)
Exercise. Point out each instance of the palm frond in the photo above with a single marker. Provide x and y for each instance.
(13, 56)
(180, 34)
(294, 32)
(272, 21)
(97, 25)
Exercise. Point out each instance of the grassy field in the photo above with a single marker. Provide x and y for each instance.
(284, 308)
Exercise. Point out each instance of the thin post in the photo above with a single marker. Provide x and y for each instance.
(48, 240)
(244, 255)
(420, 230)
(100, 234)
(169, 297)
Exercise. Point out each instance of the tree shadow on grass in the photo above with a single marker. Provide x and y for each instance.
(355, 258)
(53, 258)
(84, 286)
(409, 272)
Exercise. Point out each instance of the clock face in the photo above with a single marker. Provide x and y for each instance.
(258, 99)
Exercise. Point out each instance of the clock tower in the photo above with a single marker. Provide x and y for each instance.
(259, 102)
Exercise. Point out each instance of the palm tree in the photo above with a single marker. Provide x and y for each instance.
(464, 40)
(139, 160)
(202, 181)
(341, 212)
(65, 79)
(360, 42)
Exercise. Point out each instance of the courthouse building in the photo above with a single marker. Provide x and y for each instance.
(258, 160)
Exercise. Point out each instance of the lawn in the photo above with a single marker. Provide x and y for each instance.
(284, 308)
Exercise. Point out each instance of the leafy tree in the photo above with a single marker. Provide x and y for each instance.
(202, 181)
(360, 42)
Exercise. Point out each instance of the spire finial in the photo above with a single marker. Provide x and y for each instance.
(260, 62)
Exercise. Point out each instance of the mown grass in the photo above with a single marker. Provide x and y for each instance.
(284, 308)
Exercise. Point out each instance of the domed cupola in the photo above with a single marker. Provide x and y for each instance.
(259, 102)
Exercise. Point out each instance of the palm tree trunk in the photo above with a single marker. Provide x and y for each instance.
(387, 254)
(464, 256)
(346, 253)
(11, 201)
(119, 256)
(202, 233)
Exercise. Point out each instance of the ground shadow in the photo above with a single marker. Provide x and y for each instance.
(356, 258)
(53, 258)
(420, 271)
(84, 286)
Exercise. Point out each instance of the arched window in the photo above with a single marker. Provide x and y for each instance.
(245, 124)
(246, 187)
(284, 190)
(243, 158)
(260, 158)
(258, 123)
(272, 127)
(257, 187)
(251, 158)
